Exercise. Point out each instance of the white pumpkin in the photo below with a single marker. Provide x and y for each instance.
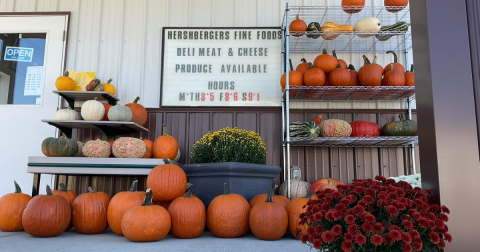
(298, 189)
(67, 114)
(120, 113)
(92, 110)
(177, 157)
(369, 24)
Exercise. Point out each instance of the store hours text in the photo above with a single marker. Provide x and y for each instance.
(218, 96)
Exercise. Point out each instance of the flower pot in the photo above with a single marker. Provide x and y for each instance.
(245, 179)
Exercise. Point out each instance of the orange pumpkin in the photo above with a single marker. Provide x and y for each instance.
(303, 67)
(325, 183)
(354, 81)
(65, 83)
(139, 112)
(149, 144)
(89, 212)
(395, 63)
(146, 222)
(227, 215)
(188, 216)
(318, 119)
(314, 77)
(325, 61)
(107, 107)
(294, 209)
(120, 203)
(165, 146)
(164, 204)
(11, 209)
(340, 76)
(46, 215)
(340, 61)
(353, 6)
(379, 67)
(69, 195)
(268, 220)
(167, 181)
(395, 5)
(295, 78)
(394, 78)
(410, 77)
(369, 74)
(298, 26)
(279, 199)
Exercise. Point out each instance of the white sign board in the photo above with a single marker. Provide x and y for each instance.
(221, 67)
(33, 81)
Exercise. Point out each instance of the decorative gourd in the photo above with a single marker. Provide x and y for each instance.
(410, 78)
(59, 147)
(354, 81)
(11, 210)
(303, 67)
(367, 25)
(268, 220)
(394, 78)
(353, 6)
(298, 188)
(46, 215)
(294, 208)
(304, 129)
(99, 88)
(314, 77)
(89, 212)
(97, 148)
(79, 150)
(365, 129)
(69, 195)
(395, 5)
(369, 74)
(313, 27)
(147, 222)
(120, 113)
(340, 61)
(120, 203)
(107, 87)
(167, 181)
(298, 26)
(325, 183)
(331, 30)
(67, 114)
(188, 216)
(92, 85)
(295, 78)
(77, 88)
(400, 128)
(149, 148)
(139, 112)
(92, 110)
(318, 119)
(177, 157)
(279, 199)
(395, 63)
(385, 31)
(107, 108)
(335, 128)
(339, 76)
(165, 147)
(65, 83)
(325, 61)
(227, 215)
(128, 147)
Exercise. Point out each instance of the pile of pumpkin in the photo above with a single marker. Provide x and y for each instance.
(355, 6)
(65, 83)
(341, 128)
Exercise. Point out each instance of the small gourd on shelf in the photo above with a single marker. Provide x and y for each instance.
(65, 83)
(93, 84)
(120, 113)
(330, 30)
(67, 114)
(400, 128)
(367, 25)
(108, 87)
(304, 129)
(313, 27)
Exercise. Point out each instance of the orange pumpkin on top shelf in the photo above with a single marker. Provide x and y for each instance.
(325, 183)
(353, 6)
(303, 67)
(370, 74)
(410, 78)
(394, 78)
(340, 77)
(395, 63)
(395, 5)
(298, 25)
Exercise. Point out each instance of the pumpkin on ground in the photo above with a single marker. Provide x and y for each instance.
(67, 114)
(298, 26)
(89, 212)
(146, 222)
(367, 25)
(107, 108)
(97, 148)
(165, 146)
(354, 81)
(120, 203)
(294, 208)
(365, 129)
(325, 61)
(395, 63)
(59, 147)
(340, 77)
(335, 128)
(325, 183)
(314, 77)
(400, 128)
(139, 112)
(395, 5)
(92, 110)
(394, 78)
(303, 67)
(149, 148)
(93, 84)
(167, 181)
(69, 195)
(65, 83)
(11, 209)
(46, 215)
(279, 199)
(107, 87)
(295, 78)
(80, 147)
(369, 74)
(268, 220)
(353, 6)
(188, 216)
(129, 147)
(120, 113)
(410, 77)
(227, 215)
(340, 61)
(298, 188)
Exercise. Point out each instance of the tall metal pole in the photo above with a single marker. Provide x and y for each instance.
(412, 148)
(284, 25)
(287, 96)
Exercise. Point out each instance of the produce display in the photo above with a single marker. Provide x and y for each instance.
(92, 110)
(367, 25)
(268, 220)
(325, 61)
(80, 149)
(365, 129)
(69, 195)
(314, 77)
(313, 27)
(120, 113)
(11, 210)
(167, 181)
(370, 74)
(149, 148)
(65, 83)
(334, 28)
(67, 114)
(325, 183)
(397, 27)
(303, 67)
(394, 77)
(129, 147)
(353, 6)
(410, 77)
(188, 216)
(354, 81)
(318, 119)
(89, 212)
(295, 78)
(97, 149)
(298, 188)
(279, 199)
(304, 129)
(139, 113)
(395, 63)
(59, 147)
(340, 61)
(335, 128)
(93, 84)
(107, 108)
(396, 4)
(107, 87)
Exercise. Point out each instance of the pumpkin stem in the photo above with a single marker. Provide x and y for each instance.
(90, 190)
(63, 187)
(225, 189)
(165, 161)
(270, 195)
(375, 59)
(309, 196)
(297, 16)
(148, 198)
(49, 191)
(66, 73)
(17, 187)
(188, 186)
(366, 61)
(291, 65)
(351, 67)
(109, 80)
(134, 186)
(136, 100)
(311, 65)
(189, 193)
(339, 65)
(303, 60)
(334, 53)
(393, 68)
(395, 58)
(325, 51)
(164, 130)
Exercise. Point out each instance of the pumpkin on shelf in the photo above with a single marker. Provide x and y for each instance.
(335, 128)
(79, 151)
(325, 183)
(146, 222)
(167, 181)
(129, 147)
(304, 129)
(400, 128)
(313, 27)
(365, 129)
(378, 66)
(314, 77)
(367, 25)
(303, 67)
(395, 5)
(69, 195)
(65, 83)
(369, 74)
(298, 26)
(120, 113)
(120, 203)
(188, 216)
(12, 206)
(395, 63)
(325, 61)
(331, 30)
(107, 87)
(92, 110)
(139, 112)
(318, 119)
(295, 78)
(59, 147)
(93, 84)
(268, 220)
(340, 77)
(165, 146)
(410, 77)
(340, 61)
(107, 108)
(353, 6)
(279, 199)
(294, 208)
(298, 188)
(354, 81)
(394, 78)
(67, 114)
(89, 212)
(227, 215)
(46, 215)
(97, 149)
(149, 148)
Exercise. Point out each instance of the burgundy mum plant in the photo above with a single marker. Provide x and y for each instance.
(375, 215)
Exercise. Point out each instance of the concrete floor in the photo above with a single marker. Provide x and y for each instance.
(108, 241)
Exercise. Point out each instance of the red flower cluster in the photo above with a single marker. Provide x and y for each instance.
(378, 214)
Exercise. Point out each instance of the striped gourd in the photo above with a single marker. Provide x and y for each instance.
(397, 28)
(304, 129)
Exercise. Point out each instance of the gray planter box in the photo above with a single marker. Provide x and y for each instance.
(245, 179)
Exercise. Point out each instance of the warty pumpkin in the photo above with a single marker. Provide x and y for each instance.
(410, 77)
(303, 67)
(139, 112)
(395, 63)
(107, 87)
(188, 216)
(298, 26)
(365, 129)
(279, 199)
(227, 215)
(325, 183)
(340, 61)
(268, 220)
(65, 83)
(46, 215)
(295, 78)
(294, 208)
(314, 77)
(93, 84)
(12, 206)
(67, 114)
(394, 78)
(165, 146)
(298, 188)
(59, 147)
(107, 108)
(167, 181)
(97, 149)
(369, 74)
(340, 76)
(120, 203)
(353, 6)
(120, 113)
(395, 5)
(92, 110)
(325, 61)
(147, 222)
(149, 148)
(89, 212)
(354, 81)
(128, 147)
(335, 128)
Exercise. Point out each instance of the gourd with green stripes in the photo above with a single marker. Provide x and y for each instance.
(397, 28)
(304, 129)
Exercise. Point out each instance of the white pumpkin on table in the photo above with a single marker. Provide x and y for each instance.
(120, 113)
(92, 110)
(67, 114)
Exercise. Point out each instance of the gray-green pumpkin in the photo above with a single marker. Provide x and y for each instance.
(59, 147)
(400, 128)
(120, 113)
(313, 27)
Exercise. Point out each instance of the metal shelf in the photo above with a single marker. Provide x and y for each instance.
(110, 128)
(351, 93)
(72, 96)
(365, 142)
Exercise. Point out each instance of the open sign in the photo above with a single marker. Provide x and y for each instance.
(23, 54)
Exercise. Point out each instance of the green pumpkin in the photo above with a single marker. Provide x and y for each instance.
(313, 27)
(400, 128)
(120, 113)
(59, 147)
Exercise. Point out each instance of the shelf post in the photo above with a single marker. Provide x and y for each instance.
(284, 25)
(412, 147)
(287, 101)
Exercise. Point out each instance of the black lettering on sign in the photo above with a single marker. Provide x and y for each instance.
(197, 96)
(227, 35)
(181, 97)
(170, 34)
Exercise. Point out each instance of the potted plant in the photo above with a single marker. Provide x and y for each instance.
(233, 156)
(375, 215)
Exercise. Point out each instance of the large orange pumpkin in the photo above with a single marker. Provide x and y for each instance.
(268, 220)
(314, 77)
(340, 61)
(165, 146)
(227, 215)
(139, 112)
(410, 77)
(369, 74)
(303, 67)
(147, 222)
(149, 144)
(298, 25)
(279, 199)
(46, 215)
(89, 212)
(188, 216)
(325, 61)
(395, 5)
(294, 209)
(295, 78)
(11, 209)
(395, 63)
(325, 183)
(120, 203)
(354, 81)
(167, 181)
(69, 195)
(107, 107)
(340, 76)
(394, 78)
(353, 6)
